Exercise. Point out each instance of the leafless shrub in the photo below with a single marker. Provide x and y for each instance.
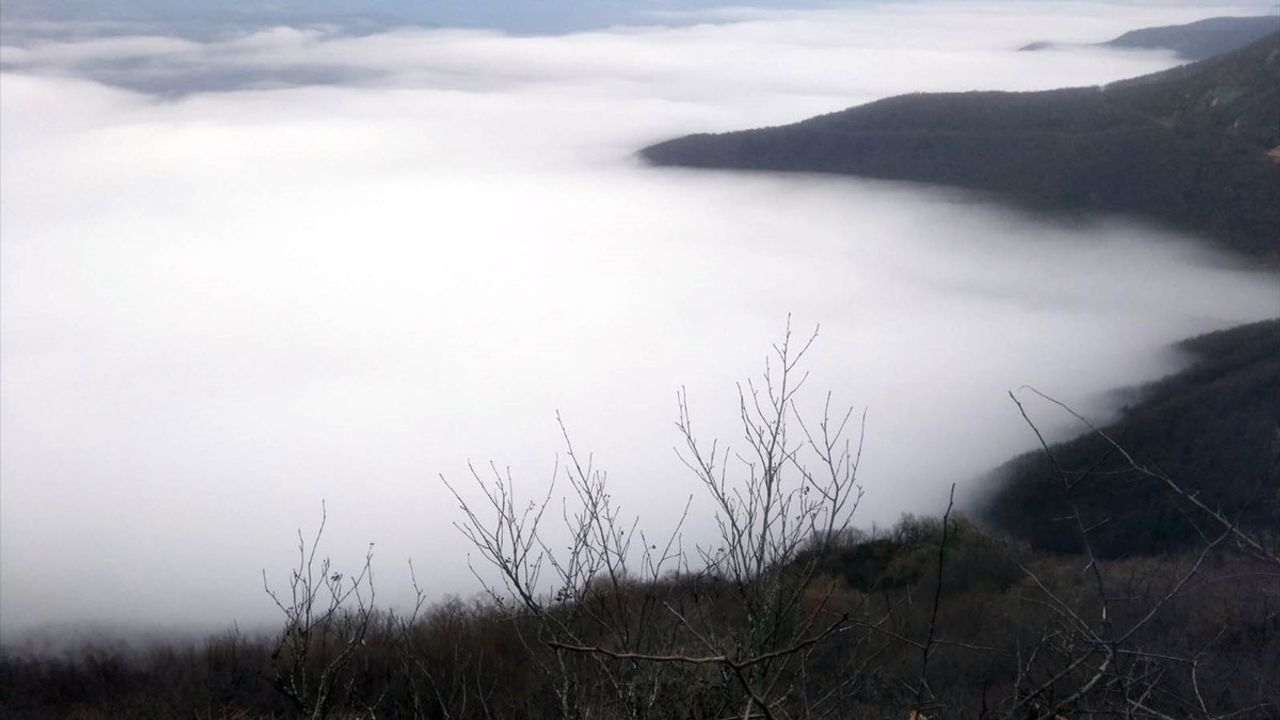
(327, 617)
(778, 513)
(790, 613)
(1098, 656)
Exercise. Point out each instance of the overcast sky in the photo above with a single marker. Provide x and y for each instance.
(244, 275)
(522, 16)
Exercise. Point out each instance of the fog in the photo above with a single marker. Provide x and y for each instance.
(240, 277)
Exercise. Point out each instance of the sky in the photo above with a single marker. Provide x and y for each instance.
(241, 276)
(527, 16)
(200, 17)
(203, 17)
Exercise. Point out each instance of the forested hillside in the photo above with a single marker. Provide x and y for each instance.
(1132, 572)
(1196, 148)
(1198, 40)
(1202, 39)
(1214, 429)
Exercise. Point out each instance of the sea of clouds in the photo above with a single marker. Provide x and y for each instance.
(242, 276)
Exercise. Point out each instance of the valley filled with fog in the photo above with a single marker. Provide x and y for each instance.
(243, 276)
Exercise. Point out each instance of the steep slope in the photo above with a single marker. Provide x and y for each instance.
(1214, 428)
(1196, 148)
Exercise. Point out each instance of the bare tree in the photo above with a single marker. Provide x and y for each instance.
(1097, 658)
(327, 616)
(752, 616)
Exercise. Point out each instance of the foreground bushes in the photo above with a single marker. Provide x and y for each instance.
(995, 639)
(790, 613)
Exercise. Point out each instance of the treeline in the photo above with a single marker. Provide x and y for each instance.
(789, 613)
(1192, 148)
(1002, 631)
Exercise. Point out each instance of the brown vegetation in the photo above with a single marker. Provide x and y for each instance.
(792, 613)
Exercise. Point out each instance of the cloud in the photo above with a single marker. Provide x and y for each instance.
(352, 263)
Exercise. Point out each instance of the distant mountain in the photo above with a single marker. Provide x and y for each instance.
(1202, 39)
(1214, 428)
(1196, 148)
(1199, 40)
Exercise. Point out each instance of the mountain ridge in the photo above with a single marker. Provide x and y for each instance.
(1197, 40)
(1195, 148)
(1202, 39)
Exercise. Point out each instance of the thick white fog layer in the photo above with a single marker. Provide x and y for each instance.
(244, 276)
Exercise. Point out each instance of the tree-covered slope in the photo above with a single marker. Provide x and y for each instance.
(1197, 40)
(1213, 428)
(1201, 39)
(1196, 148)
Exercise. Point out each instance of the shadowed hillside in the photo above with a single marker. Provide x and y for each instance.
(1202, 39)
(1196, 148)
(1213, 428)
(1198, 40)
